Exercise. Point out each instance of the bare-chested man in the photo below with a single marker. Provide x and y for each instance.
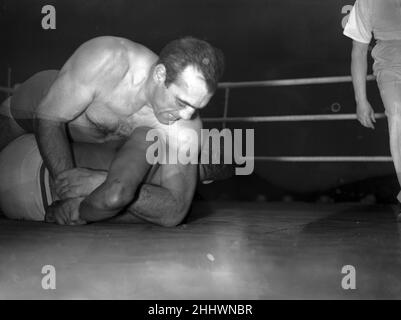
(109, 87)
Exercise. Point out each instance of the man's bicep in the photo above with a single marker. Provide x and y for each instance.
(359, 56)
(358, 46)
(66, 99)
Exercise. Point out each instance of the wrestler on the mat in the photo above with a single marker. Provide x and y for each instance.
(26, 191)
(108, 87)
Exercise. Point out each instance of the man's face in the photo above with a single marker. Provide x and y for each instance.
(182, 98)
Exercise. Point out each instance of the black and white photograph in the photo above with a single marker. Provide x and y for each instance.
(200, 156)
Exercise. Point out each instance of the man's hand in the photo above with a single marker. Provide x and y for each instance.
(65, 212)
(78, 182)
(365, 114)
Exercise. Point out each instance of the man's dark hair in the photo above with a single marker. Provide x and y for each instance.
(180, 53)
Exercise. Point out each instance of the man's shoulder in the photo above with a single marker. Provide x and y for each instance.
(366, 6)
(107, 54)
(113, 45)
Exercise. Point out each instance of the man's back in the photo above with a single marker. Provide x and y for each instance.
(109, 70)
(386, 19)
(28, 95)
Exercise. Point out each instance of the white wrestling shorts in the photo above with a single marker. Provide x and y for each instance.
(24, 180)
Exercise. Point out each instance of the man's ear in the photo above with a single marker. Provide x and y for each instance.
(159, 74)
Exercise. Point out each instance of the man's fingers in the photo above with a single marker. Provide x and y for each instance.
(66, 191)
(49, 216)
(60, 187)
(61, 175)
(60, 180)
(78, 222)
(66, 195)
(62, 216)
(372, 117)
(60, 219)
(65, 174)
(369, 123)
(361, 119)
(371, 120)
(72, 192)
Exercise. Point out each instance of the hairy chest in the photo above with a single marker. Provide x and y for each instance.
(104, 121)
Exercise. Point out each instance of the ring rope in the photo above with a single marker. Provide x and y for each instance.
(315, 117)
(311, 117)
(6, 89)
(290, 82)
(324, 159)
(271, 83)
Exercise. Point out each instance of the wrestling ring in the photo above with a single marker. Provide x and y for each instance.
(225, 250)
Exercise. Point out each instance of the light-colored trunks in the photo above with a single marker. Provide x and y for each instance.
(24, 180)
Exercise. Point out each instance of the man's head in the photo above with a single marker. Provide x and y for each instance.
(186, 77)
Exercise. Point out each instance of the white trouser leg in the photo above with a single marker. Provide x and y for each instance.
(390, 91)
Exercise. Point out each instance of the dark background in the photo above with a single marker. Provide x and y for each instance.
(262, 40)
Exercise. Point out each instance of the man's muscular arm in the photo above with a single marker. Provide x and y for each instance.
(359, 66)
(66, 99)
(165, 203)
(93, 67)
(126, 173)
